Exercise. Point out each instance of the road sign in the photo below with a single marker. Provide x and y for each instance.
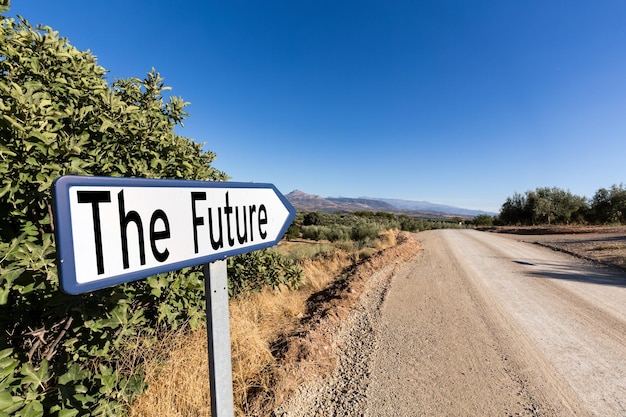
(114, 230)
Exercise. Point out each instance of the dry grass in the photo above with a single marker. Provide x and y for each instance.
(178, 366)
(387, 239)
(177, 374)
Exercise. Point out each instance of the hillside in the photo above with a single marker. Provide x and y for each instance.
(309, 202)
(431, 207)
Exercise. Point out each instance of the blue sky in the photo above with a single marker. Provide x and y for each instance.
(453, 102)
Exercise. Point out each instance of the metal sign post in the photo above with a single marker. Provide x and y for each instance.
(218, 339)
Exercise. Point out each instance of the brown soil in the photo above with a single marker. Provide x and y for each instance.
(555, 230)
(602, 244)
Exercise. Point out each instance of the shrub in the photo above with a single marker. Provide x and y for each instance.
(293, 232)
(364, 231)
(365, 253)
(315, 232)
(338, 233)
(483, 220)
(59, 116)
(252, 271)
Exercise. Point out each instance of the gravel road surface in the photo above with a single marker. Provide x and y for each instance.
(480, 324)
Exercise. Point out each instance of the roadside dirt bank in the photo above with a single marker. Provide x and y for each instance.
(311, 353)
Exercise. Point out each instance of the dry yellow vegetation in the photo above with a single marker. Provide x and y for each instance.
(177, 367)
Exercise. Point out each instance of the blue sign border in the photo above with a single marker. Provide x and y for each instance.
(65, 242)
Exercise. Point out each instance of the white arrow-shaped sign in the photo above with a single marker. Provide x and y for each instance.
(113, 230)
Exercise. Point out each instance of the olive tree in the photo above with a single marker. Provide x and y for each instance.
(609, 206)
(544, 205)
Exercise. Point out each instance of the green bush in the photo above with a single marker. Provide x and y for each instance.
(314, 232)
(362, 227)
(365, 231)
(293, 232)
(338, 233)
(252, 271)
(59, 354)
(58, 116)
(484, 220)
(347, 245)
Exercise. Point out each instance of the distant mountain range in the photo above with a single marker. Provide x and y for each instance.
(309, 202)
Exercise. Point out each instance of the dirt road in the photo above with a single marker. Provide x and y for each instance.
(484, 325)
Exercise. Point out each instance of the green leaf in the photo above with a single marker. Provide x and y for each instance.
(6, 152)
(7, 376)
(33, 409)
(4, 296)
(5, 190)
(85, 399)
(73, 374)
(109, 382)
(80, 389)
(5, 353)
(9, 403)
(135, 384)
(13, 122)
(11, 275)
(66, 412)
(17, 403)
(8, 365)
(35, 376)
